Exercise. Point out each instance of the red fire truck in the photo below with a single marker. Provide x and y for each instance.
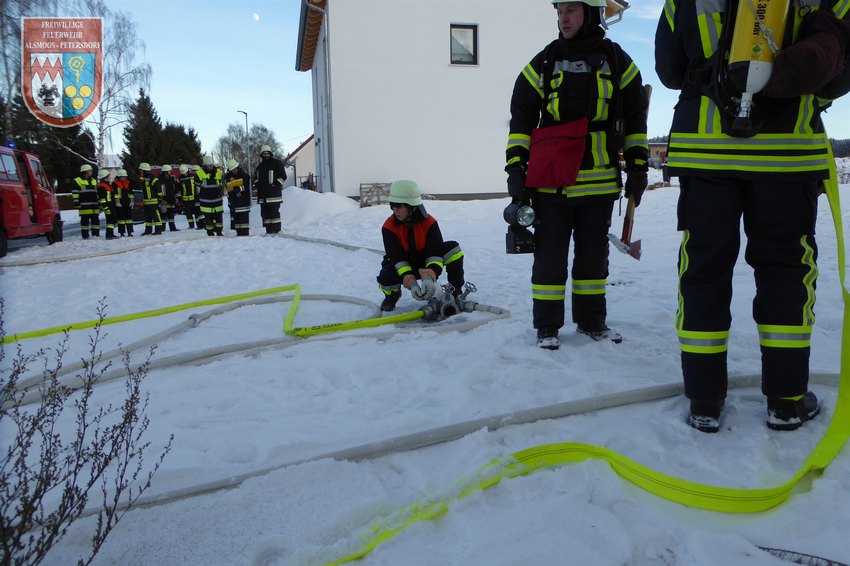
(28, 206)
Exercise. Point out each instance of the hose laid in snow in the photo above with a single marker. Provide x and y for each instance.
(121, 250)
(33, 394)
(448, 433)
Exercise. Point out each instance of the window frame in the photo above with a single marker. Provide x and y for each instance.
(470, 27)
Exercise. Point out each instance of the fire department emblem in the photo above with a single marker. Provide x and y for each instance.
(62, 68)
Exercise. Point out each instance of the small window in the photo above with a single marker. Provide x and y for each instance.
(464, 44)
(11, 167)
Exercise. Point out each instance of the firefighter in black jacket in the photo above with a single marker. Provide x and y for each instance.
(86, 202)
(238, 186)
(168, 189)
(124, 202)
(106, 199)
(211, 197)
(149, 186)
(588, 84)
(771, 176)
(269, 176)
(187, 196)
(414, 251)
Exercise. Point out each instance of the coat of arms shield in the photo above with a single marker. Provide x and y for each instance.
(62, 68)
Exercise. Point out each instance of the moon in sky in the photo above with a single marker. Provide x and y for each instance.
(256, 16)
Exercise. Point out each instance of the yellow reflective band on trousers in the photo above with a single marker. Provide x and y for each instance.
(692, 494)
(809, 281)
(454, 254)
(589, 286)
(684, 263)
(696, 342)
(548, 292)
(776, 336)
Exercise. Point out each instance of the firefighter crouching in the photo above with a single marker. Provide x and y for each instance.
(106, 200)
(186, 183)
(168, 189)
(86, 202)
(238, 185)
(150, 199)
(124, 200)
(210, 197)
(415, 253)
(269, 176)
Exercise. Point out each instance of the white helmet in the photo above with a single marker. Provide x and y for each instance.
(144, 166)
(232, 164)
(166, 167)
(103, 174)
(208, 160)
(121, 173)
(610, 11)
(265, 147)
(405, 192)
(85, 167)
(184, 169)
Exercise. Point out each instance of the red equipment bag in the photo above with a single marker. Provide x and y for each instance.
(555, 154)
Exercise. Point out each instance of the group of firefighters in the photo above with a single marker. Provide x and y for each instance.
(200, 190)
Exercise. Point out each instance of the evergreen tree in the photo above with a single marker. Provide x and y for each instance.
(141, 134)
(178, 146)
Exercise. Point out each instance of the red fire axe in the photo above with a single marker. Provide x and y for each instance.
(624, 243)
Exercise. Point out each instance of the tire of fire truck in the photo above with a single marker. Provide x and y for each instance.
(55, 235)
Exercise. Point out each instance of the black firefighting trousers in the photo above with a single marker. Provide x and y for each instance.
(586, 221)
(779, 222)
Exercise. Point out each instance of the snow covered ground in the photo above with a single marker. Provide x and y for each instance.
(243, 419)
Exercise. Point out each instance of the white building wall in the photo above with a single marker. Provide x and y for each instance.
(399, 109)
(305, 163)
(322, 114)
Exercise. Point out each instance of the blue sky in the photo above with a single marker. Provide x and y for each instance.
(211, 58)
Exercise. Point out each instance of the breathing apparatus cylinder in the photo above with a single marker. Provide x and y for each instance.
(757, 37)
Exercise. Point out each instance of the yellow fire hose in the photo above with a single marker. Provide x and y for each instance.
(701, 496)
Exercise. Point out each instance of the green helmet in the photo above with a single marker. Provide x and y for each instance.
(184, 169)
(144, 167)
(406, 192)
(231, 164)
(85, 167)
(208, 160)
(121, 173)
(103, 174)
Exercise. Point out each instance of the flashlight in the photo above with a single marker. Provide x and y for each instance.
(519, 214)
(519, 239)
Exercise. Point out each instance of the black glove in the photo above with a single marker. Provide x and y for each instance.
(516, 183)
(635, 185)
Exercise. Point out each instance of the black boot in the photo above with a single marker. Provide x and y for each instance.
(390, 301)
(172, 227)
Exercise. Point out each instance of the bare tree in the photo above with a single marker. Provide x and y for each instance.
(11, 12)
(122, 74)
(233, 144)
(47, 475)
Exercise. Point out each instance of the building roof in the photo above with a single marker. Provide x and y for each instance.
(312, 15)
(300, 147)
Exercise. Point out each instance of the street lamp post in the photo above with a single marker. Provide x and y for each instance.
(247, 140)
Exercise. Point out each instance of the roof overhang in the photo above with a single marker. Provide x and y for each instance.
(309, 28)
